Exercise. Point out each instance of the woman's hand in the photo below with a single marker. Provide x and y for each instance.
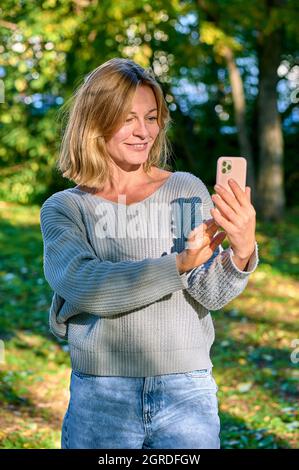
(201, 244)
(236, 215)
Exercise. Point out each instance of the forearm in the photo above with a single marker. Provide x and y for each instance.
(219, 280)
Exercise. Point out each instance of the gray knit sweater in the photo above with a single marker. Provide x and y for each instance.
(119, 299)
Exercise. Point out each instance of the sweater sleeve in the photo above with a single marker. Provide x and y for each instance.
(89, 284)
(218, 281)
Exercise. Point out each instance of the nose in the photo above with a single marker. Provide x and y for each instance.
(140, 129)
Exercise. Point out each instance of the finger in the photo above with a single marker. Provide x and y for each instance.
(195, 240)
(217, 240)
(248, 193)
(229, 198)
(207, 227)
(222, 222)
(207, 223)
(200, 237)
(224, 208)
(204, 226)
(238, 192)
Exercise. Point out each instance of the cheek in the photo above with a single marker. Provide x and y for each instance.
(155, 131)
(122, 134)
(118, 138)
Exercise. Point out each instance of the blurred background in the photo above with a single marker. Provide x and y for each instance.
(230, 75)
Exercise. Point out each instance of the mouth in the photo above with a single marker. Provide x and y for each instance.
(138, 147)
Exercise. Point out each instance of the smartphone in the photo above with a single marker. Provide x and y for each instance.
(231, 167)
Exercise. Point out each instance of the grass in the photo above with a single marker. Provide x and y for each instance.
(258, 382)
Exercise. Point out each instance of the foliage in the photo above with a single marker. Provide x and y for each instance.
(48, 47)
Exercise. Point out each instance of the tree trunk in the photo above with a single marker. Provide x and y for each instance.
(240, 116)
(238, 97)
(270, 187)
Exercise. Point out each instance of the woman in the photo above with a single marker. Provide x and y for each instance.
(130, 296)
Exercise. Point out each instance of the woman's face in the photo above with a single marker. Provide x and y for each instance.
(141, 128)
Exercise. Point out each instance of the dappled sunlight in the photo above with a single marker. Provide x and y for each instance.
(261, 412)
(18, 215)
(271, 297)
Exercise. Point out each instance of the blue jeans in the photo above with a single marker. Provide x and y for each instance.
(173, 411)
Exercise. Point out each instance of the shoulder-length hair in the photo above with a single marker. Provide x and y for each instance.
(96, 111)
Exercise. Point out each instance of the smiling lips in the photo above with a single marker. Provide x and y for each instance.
(138, 146)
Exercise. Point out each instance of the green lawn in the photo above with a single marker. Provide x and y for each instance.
(258, 382)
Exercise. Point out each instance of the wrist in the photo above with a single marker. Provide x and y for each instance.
(243, 256)
(241, 260)
(240, 263)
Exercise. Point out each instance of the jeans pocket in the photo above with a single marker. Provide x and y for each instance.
(201, 373)
(202, 379)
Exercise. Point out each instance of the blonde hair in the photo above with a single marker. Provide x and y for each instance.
(96, 110)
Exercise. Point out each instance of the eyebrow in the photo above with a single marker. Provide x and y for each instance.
(154, 109)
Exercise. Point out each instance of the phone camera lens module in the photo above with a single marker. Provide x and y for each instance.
(224, 163)
(223, 170)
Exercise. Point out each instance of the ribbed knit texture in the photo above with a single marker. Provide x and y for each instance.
(119, 299)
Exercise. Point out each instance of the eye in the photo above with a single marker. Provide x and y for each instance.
(152, 118)
(129, 119)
